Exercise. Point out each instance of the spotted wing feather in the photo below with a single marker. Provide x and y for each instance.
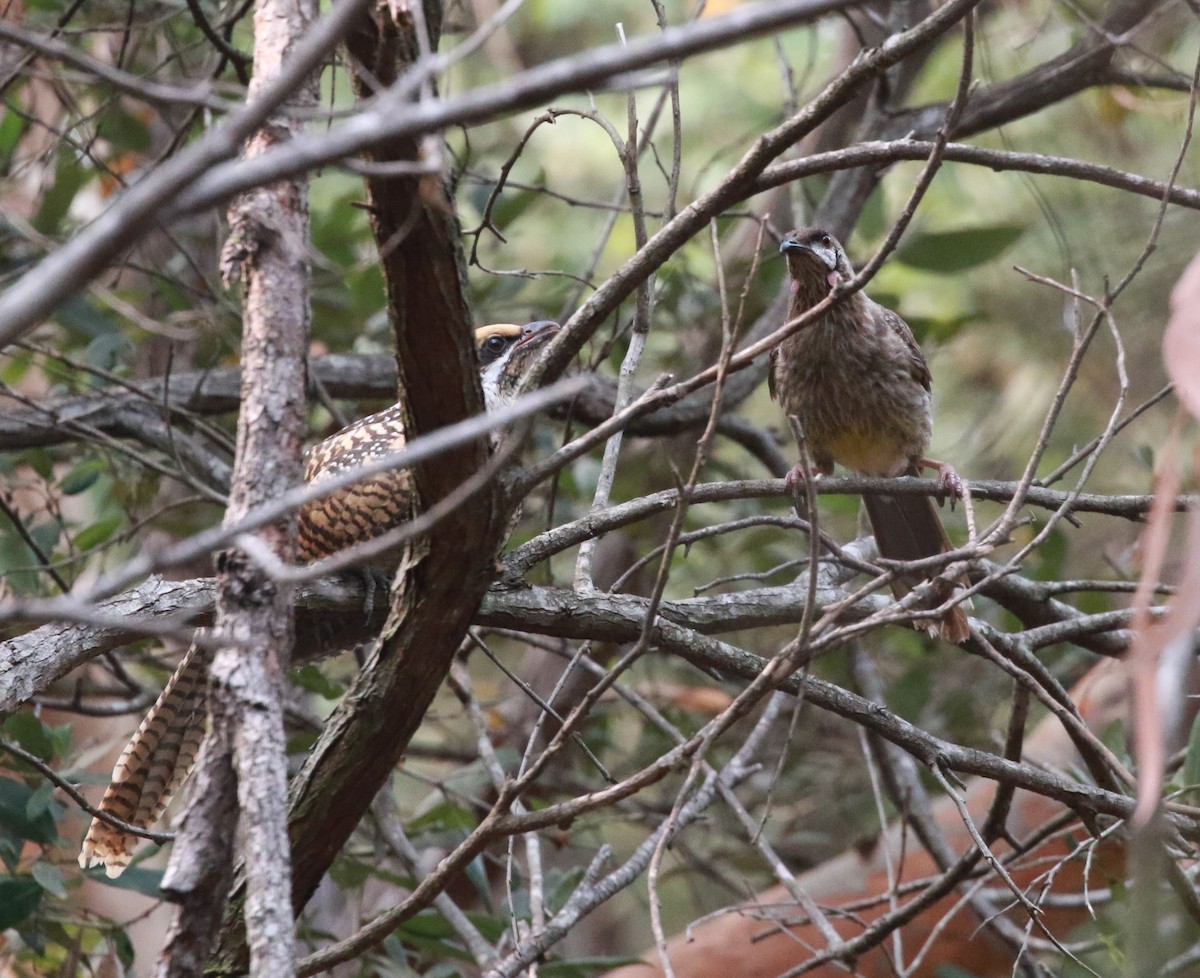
(366, 509)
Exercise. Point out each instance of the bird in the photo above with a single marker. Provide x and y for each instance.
(160, 755)
(857, 383)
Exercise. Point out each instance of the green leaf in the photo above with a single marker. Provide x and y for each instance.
(19, 898)
(955, 251)
(28, 731)
(1052, 557)
(1191, 760)
(442, 816)
(122, 129)
(82, 477)
(12, 127)
(69, 176)
(46, 535)
(83, 318)
(312, 680)
(511, 205)
(123, 945)
(98, 532)
(15, 816)
(872, 222)
(41, 802)
(105, 350)
(148, 882)
(50, 878)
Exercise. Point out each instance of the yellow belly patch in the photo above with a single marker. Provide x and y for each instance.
(869, 453)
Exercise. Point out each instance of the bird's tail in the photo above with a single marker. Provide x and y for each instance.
(909, 528)
(153, 765)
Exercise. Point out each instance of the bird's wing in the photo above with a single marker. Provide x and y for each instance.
(771, 359)
(893, 322)
(366, 509)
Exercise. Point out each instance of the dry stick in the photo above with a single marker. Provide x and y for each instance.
(860, 155)
(1001, 528)
(882, 152)
(739, 769)
(113, 444)
(693, 217)
(857, 156)
(774, 671)
(1082, 453)
(39, 291)
(543, 704)
(728, 339)
(1103, 314)
(993, 827)
(557, 539)
(209, 179)
(205, 542)
(391, 827)
(1104, 306)
(928, 748)
(255, 624)
(29, 661)
(628, 153)
(588, 895)
(672, 89)
(463, 688)
(889, 859)
(909, 796)
(1100, 760)
(77, 796)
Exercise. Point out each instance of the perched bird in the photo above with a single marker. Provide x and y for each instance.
(858, 384)
(158, 759)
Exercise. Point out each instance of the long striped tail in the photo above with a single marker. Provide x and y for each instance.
(153, 765)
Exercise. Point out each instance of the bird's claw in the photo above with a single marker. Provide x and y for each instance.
(950, 484)
(797, 481)
(373, 583)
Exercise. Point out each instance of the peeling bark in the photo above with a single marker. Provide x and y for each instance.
(245, 753)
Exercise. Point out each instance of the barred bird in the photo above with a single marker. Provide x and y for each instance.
(158, 759)
(859, 386)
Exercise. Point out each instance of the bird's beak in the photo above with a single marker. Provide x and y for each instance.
(791, 244)
(534, 334)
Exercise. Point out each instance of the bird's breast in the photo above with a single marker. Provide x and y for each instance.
(856, 400)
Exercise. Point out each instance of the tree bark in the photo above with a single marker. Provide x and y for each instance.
(246, 750)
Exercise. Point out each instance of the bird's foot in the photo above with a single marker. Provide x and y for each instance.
(950, 483)
(374, 584)
(797, 481)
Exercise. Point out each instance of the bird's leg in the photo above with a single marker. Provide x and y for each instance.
(950, 483)
(373, 582)
(798, 478)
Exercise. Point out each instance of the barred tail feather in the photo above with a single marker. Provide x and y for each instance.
(153, 765)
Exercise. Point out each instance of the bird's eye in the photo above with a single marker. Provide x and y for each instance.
(825, 240)
(495, 344)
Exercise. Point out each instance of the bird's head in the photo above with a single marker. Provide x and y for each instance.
(506, 351)
(814, 253)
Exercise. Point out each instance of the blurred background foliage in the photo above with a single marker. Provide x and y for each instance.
(997, 343)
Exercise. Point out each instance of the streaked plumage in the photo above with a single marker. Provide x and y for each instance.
(859, 385)
(159, 758)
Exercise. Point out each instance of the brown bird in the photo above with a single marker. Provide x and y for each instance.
(858, 385)
(158, 759)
